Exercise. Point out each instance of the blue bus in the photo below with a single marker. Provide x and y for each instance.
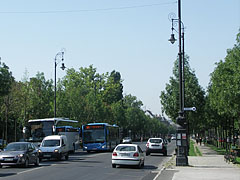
(100, 137)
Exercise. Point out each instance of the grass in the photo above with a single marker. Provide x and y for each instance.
(192, 151)
(238, 160)
(198, 152)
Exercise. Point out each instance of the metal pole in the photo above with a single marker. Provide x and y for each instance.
(181, 159)
(55, 88)
(183, 63)
(180, 57)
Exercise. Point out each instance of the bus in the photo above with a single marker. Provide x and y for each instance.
(100, 137)
(37, 129)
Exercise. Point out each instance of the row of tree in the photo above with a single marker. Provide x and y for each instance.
(218, 108)
(82, 95)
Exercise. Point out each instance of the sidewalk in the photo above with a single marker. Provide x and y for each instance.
(209, 166)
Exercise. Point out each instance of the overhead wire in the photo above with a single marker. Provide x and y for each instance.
(85, 10)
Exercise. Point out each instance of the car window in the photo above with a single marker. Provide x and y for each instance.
(16, 147)
(155, 140)
(51, 143)
(126, 148)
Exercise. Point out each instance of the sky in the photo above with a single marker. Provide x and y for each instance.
(128, 36)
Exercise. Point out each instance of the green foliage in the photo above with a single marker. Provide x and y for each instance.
(193, 93)
(224, 95)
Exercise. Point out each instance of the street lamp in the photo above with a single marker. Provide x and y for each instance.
(56, 62)
(181, 142)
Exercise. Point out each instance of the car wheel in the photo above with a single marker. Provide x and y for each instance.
(113, 165)
(0, 166)
(165, 153)
(139, 165)
(37, 162)
(26, 164)
(60, 157)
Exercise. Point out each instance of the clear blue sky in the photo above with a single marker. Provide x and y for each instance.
(121, 35)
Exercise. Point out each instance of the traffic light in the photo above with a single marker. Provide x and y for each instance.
(182, 121)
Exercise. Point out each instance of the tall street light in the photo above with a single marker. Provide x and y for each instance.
(56, 62)
(181, 142)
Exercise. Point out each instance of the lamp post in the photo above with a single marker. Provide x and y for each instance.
(181, 142)
(59, 54)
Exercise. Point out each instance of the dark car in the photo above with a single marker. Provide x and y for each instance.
(19, 153)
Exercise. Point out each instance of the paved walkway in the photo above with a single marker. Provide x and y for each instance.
(209, 166)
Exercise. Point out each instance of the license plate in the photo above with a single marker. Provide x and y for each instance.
(124, 154)
(8, 159)
(46, 155)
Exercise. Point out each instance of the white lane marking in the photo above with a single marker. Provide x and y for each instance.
(159, 173)
(29, 170)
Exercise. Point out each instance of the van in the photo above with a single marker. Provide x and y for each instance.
(55, 146)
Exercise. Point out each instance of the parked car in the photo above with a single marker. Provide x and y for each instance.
(173, 137)
(156, 145)
(127, 140)
(128, 154)
(19, 153)
(54, 146)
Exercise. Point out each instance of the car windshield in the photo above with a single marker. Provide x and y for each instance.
(155, 140)
(50, 143)
(127, 138)
(16, 147)
(126, 148)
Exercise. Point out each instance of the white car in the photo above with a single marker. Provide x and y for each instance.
(127, 140)
(54, 146)
(156, 145)
(128, 154)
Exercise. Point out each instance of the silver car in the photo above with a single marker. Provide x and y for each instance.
(19, 153)
(127, 140)
(128, 154)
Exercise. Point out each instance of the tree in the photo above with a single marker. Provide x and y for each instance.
(223, 92)
(6, 80)
(194, 96)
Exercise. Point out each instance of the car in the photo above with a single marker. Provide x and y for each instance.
(127, 140)
(156, 145)
(173, 138)
(128, 154)
(54, 146)
(19, 153)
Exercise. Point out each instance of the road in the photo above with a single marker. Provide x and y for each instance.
(92, 166)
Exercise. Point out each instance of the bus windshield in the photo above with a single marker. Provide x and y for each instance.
(94, 136)
(41, 129)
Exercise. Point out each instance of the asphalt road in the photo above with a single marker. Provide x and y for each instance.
(92, 166)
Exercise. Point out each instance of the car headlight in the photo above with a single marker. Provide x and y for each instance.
(39, 150)
(20, 155)
(85, 147)
(104, 146)
(56, 150)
